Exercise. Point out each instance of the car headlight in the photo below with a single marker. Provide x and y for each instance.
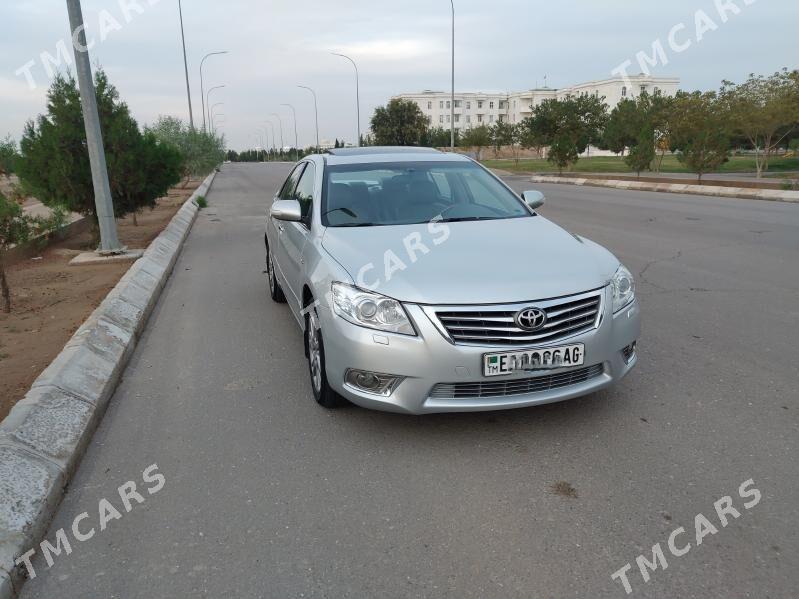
(623, 288)
(369, 309)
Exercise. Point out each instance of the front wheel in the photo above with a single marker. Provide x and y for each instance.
(275, 292)
(324, 395)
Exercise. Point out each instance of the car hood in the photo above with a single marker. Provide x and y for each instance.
(479, 262)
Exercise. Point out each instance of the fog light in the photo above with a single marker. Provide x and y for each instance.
(629, 352)
(372, 382)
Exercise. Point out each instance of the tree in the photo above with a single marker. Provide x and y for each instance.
(55, 166)
(700, 133)
(643, 152)
(17, 228)
(632, 116)
(562, 152)
(438, 137)
(202, 150)
(568, 126)
(154, 168)
(764, 110)
(624, 123)
(530, 137)
(505, 134)
(399, 123)
(477, 137)
(8, 156)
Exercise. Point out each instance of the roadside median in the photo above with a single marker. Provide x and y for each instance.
(45, 434)
(773, 195)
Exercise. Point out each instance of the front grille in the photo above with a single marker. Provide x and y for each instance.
(496, 325)
(515, 387)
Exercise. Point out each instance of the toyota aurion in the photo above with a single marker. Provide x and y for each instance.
(423, 283)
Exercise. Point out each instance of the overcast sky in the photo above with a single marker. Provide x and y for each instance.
(400, 46)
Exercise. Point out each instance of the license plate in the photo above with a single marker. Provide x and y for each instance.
(533, 359)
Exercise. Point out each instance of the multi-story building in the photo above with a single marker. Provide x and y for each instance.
(478, 108)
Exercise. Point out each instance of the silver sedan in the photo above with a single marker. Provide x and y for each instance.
(424, 284)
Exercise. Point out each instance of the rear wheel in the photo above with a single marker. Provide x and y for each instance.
(324, 395)
(275, 291)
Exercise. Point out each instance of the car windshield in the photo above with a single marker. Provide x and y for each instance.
(403, 193)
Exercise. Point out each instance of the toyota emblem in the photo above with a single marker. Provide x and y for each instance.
(531, 319)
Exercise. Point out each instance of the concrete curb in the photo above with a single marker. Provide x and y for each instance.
(45, 434)
(742, 193)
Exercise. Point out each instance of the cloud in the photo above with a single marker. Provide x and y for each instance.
(503, 44)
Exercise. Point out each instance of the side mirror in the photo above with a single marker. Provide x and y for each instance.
(534, 199)
(288, 210)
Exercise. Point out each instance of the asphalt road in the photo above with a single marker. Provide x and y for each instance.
(269, 495)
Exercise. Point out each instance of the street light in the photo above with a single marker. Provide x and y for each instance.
(214, 121)
(452, 109)
(316, 112)
(272, 127)
(260, 137)
(208, 98)
(211, 110)
(280, 122)
(211, 114)
(271, 143)
(202, 91)
(185, 65)
(296, 140)
(104, 207)
(357, 92)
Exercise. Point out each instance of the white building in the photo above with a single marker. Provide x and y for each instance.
(478, 108)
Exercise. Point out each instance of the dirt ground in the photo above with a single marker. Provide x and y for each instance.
(50, 299)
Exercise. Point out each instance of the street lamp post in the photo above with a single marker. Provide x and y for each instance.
(296, 139)
(109, 242)
(279, 122)
(215, 122)
(208, 98)
(263, 147)
(202, 91)
(452, 109)
(262, 132)
(357, 93)
(272, 127)
(186, 65)
(211, 114)
(316, 112)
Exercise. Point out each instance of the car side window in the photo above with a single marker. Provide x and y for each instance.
(304, 192)
(287, 191)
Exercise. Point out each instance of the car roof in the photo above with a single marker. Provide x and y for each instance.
(372, 154)
(367, 150)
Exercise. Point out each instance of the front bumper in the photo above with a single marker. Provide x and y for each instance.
(429, 359)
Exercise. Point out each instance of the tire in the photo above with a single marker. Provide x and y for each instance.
(275, 292)
(315, 350)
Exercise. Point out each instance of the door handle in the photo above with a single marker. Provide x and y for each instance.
(280, 228)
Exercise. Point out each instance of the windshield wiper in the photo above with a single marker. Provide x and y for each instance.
(346, 211)
(461, 219)
(356, 225)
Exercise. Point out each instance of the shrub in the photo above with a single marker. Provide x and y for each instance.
(201, 150)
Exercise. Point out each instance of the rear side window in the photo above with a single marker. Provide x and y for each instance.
(287, 191)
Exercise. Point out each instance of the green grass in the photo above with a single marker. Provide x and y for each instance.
(616, 164)
(201, 202)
